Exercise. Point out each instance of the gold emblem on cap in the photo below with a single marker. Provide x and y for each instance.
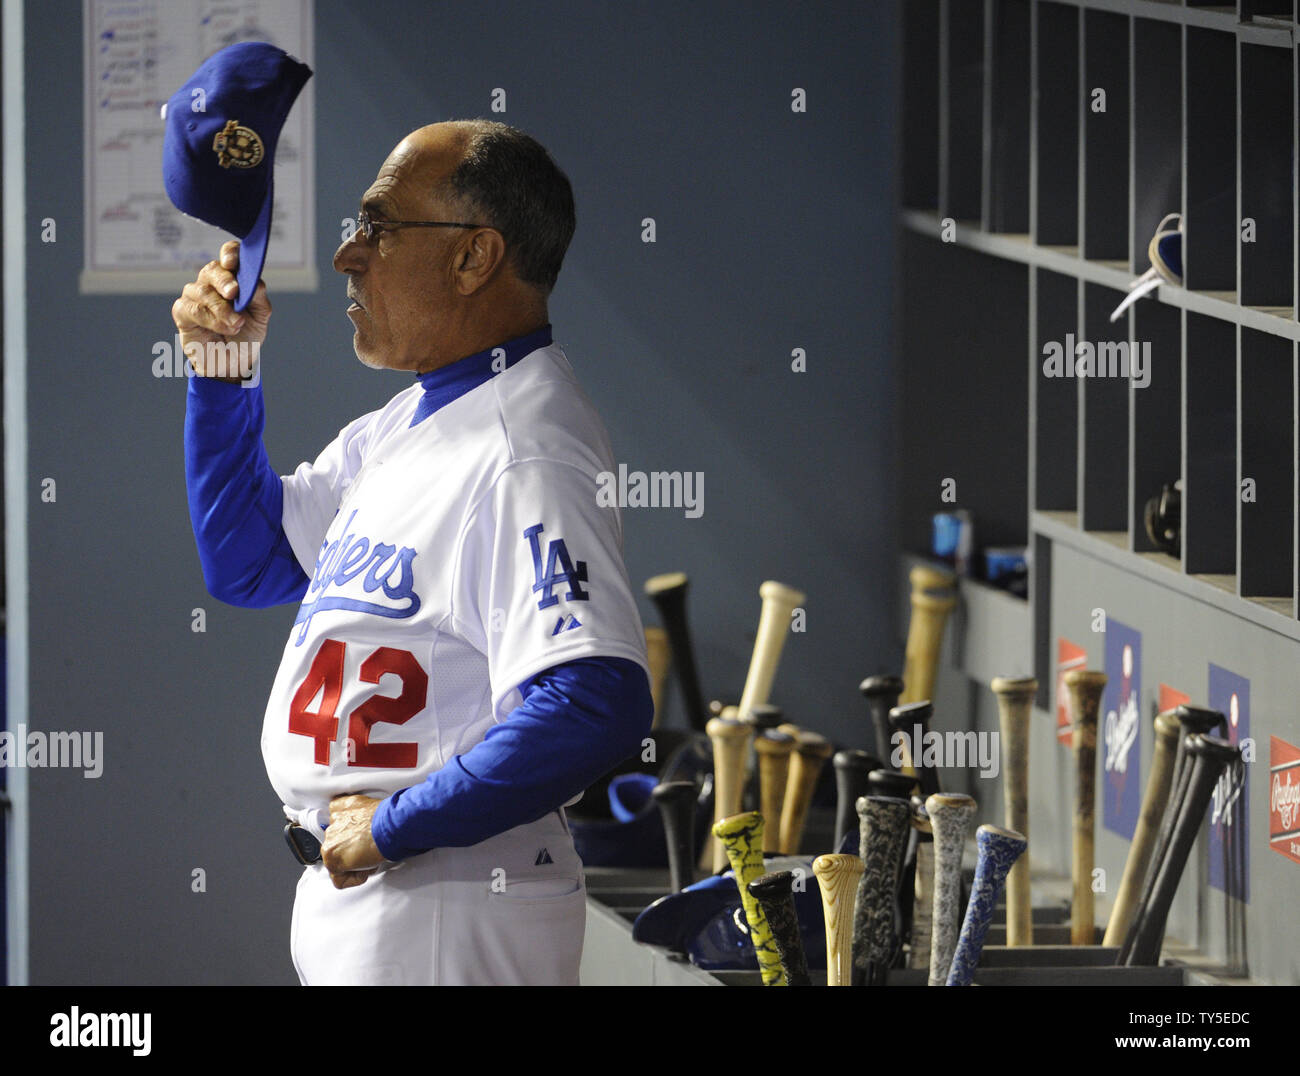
(238, 147)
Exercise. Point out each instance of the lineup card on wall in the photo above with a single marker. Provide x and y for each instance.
(1121, 739)
(137, 54)
(1229, 808)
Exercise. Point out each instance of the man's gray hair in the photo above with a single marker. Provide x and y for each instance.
(509, 182)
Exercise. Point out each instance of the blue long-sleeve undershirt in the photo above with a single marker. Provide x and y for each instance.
(576, 723)
(577, 720)
(236, 498)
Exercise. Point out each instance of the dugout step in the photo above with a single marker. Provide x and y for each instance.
(1046, 934)
(1049, 956)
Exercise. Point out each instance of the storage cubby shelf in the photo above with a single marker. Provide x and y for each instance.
(1096, 120)
(1044, 142)
(1217, 590)
(1278, 321)
(1275, 30)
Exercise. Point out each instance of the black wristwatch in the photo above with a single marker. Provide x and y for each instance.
(302, 843)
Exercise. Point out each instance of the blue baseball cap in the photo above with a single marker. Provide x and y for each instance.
(219, 147)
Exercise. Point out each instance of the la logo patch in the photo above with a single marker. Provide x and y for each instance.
(559, 569)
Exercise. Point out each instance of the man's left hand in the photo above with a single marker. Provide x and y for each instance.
(349, 852)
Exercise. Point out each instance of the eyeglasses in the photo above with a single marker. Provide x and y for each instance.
(371, 228)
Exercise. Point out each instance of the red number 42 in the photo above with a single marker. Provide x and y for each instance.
(322, 725)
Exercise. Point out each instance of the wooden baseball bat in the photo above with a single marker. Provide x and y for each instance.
(909, 726)
(775, 895)
(668, 592)
(774, 750)
(923, 888)
(933, 599)
(1085, 687)
(837, 876)
(1192, 721)
(881, 693)
(810, 755)
(851, 769)
(999, 849)
(790, 729)
(677, 800)
(885, 824)
(1159, 781)
(741, 836)
(950, 818)
(1015, 704)
(658, 655)
(779, 601)
(1209, 756)
(730, 741)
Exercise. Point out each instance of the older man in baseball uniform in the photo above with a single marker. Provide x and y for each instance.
(467, 654)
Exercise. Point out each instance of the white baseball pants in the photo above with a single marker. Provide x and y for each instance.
(509, 911)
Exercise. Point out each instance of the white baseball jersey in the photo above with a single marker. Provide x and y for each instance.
(449, 561)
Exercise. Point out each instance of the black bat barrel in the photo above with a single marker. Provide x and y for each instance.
(668, 592)
(763, 716)
(913, 720)
(882, 694)
(676, 800)
(851, 769)
(883, 782)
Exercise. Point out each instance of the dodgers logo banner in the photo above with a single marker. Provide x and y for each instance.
(1229, 815)
(1121, 739)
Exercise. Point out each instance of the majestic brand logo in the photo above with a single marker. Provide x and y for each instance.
(375, 565)
(566, 623)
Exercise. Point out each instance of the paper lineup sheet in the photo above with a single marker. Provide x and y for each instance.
(137, 54)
